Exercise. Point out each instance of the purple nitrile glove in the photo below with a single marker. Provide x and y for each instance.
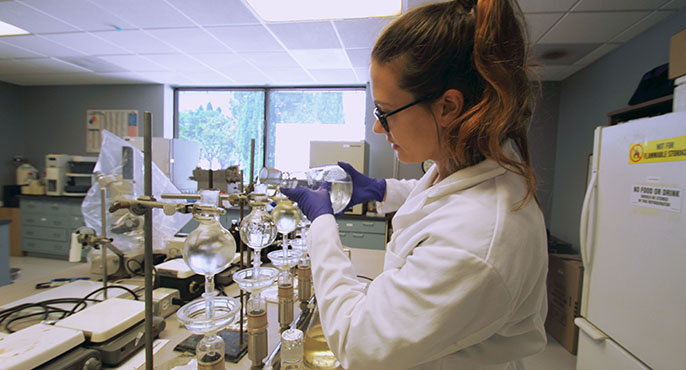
(365, 188)
(313, 203)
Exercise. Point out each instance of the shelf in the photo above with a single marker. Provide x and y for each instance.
(650, 108)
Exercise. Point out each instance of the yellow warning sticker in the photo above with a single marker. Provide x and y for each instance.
(664, 150)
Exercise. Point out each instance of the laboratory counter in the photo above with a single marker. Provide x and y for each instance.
(367, 263)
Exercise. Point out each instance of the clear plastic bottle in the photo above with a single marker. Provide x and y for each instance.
(292, 350)
(341, 183)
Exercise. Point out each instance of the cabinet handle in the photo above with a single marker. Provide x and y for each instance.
(356, 235)
(43, 219)
(368, 223)
(341, 234)
(349, 225)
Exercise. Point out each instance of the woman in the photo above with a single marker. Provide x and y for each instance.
(463, 285)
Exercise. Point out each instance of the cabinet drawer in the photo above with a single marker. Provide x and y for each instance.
(362, 226)
(45, 246)
(363, 240)
(41, 220)
(45, 233)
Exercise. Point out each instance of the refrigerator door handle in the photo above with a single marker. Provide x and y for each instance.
(586, 209)
(590, 329)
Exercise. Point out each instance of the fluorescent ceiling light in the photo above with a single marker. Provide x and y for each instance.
(300, 10)
(7, 29)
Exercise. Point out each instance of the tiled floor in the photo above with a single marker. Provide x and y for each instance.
(553, 357)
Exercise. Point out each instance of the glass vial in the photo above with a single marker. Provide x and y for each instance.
(292, 350)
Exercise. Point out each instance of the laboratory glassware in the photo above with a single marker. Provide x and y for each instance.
(314, 178)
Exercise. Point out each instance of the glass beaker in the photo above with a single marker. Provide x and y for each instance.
(314, 178)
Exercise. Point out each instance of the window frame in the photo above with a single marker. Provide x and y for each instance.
(265, 90)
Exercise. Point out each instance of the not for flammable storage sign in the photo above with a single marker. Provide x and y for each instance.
(664, 150)
(660, 197)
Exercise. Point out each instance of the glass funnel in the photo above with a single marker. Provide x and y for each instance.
(341, 182)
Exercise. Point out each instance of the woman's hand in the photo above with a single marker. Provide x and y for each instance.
(313, 203)
(365, 188)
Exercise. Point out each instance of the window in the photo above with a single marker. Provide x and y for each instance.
(282, 121)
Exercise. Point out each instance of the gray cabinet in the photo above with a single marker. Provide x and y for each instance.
(47, 224)
(362, 232)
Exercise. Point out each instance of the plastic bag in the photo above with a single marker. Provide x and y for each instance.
(120, 171)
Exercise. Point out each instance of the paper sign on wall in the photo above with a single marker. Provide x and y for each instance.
(121, 122)
(660, 197)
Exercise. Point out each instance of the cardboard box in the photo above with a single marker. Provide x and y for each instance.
(677, 55)
(565, 277)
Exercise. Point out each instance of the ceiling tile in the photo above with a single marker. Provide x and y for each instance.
(556, 73)
(675, 4)
(134, 63)
(539, 24)
(85, 43)
(306, 35)
(37, 66)
(207, 78)
(41, 45)
(234, 66)
(146, 14)
(544, 6)
(31, 20)
(643, 25)
(288, 76)
(216, 12)
(334, 76)
(136, 41)
(176, 62)
(236, 38)
(561, 54)
(321, 58)
(189, 40)
(94, 64)
(362, 75)
(617, 5)
(596, 54)
(48, 79)
(81, 14)
(275, 59)
(360, 33)
(360, 58)
(10, 51)
(165, 77)
(588, 28)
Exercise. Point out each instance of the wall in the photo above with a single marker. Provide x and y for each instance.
(585, 100)
(12, 129)
(54, 117)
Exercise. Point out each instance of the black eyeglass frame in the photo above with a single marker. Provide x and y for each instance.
(382, 116)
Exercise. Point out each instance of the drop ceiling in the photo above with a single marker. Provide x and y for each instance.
(224, 43)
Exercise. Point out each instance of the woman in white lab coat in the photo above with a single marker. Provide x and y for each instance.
(463, 285)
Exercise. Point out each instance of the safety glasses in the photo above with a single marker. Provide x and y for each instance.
(383, 116)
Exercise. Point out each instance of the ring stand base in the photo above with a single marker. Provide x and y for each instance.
(233, 351)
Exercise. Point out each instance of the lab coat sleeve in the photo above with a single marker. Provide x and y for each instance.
(397, 192)
(408, 315)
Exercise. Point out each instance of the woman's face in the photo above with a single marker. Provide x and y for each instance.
(412, 131)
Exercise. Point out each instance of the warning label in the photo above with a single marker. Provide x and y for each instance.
(665, 198)
(665, 150)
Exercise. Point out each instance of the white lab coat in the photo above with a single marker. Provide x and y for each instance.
(463, 285)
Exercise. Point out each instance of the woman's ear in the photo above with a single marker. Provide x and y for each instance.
(449, 106)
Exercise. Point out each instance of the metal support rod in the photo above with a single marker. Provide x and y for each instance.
(103, 222)
(240, 247)
(147, 152)
(252, 161)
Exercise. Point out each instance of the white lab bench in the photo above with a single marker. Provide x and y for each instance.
(367, 263)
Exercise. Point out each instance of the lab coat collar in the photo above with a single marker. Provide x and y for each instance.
(466, 177)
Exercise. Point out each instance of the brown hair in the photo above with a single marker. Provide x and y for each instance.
(479, 48)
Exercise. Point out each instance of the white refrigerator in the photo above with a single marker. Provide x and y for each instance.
(633, 245)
